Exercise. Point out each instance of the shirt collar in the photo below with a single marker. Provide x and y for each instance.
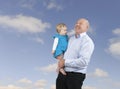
(80, 35)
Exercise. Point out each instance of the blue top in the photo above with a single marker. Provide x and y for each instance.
(62, 44)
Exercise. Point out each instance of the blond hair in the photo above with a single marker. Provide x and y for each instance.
(59, 26)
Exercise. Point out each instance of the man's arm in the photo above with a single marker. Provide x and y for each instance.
(84, 56)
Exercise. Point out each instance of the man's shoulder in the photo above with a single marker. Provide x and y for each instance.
(88, 38)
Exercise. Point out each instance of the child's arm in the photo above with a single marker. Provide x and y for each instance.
(55, 43)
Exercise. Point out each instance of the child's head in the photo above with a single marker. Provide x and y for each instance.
(61, 29)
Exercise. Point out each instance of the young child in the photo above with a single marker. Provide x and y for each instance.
(60, 44)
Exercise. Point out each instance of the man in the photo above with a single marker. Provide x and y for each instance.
(76, 58)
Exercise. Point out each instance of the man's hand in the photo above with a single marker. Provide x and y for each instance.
(61, 63)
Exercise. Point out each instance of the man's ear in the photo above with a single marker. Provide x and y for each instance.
(87, 27)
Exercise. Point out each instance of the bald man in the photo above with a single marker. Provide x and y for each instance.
(76, 58)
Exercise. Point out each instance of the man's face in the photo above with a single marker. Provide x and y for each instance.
(81, 26)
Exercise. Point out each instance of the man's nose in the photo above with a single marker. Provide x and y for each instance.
(76, 25)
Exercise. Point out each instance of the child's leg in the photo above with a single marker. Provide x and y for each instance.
(60, 69)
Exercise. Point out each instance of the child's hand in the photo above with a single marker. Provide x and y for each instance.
(53, 51)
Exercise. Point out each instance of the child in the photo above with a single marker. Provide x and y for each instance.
(60, 44)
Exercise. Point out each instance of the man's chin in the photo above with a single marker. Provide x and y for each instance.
(77, 33)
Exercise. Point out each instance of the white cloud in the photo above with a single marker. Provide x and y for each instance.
(24, 24)
(16, 87)
(111, 82)
(114, 48)
(10, 87)
(25, 81)
(29, 4)
(49, 68)
(89, 87)
(53, 87)
(116, 31)
(114, 44)
(39, 40)
(53, 5)
(99, 73)
(40, 84)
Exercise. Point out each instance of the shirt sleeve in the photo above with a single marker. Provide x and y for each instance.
(55, 43)
(84, 56)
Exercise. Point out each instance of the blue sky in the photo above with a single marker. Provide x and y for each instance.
(26, 30)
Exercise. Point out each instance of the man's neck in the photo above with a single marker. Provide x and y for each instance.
(80, 34)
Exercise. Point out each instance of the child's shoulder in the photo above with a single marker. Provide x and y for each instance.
(60, 36)
(56, 36)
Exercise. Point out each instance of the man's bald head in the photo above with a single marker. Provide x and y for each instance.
(84, 20)
(81, 26)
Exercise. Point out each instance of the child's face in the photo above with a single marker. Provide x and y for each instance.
(63, 31)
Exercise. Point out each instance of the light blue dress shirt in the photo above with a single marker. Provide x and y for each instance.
(78, 53)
